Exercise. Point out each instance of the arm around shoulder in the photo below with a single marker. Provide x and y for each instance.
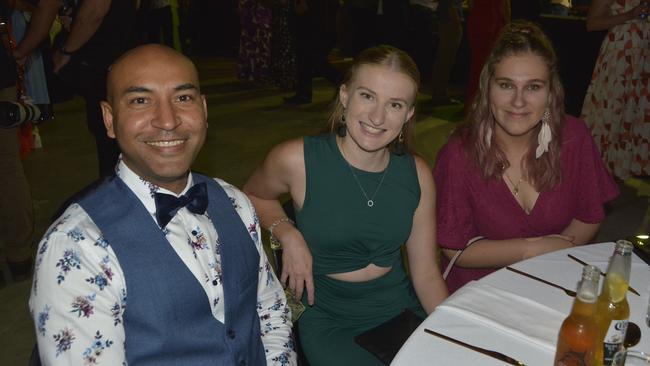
(283, 171)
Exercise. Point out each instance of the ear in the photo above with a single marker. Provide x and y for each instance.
(410, 114)
(107, 113)
(205, 109)
(343, 95)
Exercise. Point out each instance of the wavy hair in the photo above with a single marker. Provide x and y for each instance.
(396, 60)
(517, 38)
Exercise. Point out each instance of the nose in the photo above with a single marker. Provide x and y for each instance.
(518, 99)
(376, 114)
(165, 117)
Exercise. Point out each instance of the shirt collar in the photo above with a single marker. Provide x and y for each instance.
(144, 189)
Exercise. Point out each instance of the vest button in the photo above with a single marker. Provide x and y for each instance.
(231, 334)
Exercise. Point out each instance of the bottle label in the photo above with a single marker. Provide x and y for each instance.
(614, 339)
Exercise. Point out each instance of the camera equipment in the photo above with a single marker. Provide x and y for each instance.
(13, 114)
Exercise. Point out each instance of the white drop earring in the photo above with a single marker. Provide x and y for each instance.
(544, 137)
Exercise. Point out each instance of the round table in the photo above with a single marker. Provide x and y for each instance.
(515, 315)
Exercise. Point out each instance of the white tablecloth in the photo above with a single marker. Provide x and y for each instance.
(516, 315)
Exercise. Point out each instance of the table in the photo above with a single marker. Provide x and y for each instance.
(523, 316)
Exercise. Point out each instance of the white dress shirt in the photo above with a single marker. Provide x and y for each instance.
(79, 293)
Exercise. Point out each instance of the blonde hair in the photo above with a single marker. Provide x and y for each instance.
(519, 37)
(382, 55)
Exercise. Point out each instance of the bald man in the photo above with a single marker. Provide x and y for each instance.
(158, 265)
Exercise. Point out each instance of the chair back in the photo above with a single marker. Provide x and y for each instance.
(34, 358)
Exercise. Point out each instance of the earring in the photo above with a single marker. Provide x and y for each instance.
(544, 137)
(341, 129)
(488, 136)
(399, 144)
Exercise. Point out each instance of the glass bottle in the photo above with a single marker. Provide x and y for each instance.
(613, 309)
(578, 336)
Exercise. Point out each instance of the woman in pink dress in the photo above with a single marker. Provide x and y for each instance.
(617, 104)
(520, 178)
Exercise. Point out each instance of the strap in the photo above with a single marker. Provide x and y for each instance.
(453, 259)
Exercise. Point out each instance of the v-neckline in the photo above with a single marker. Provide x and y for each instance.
(514, 200)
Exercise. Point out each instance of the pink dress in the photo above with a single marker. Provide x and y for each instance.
(469, 206)
(617, 103)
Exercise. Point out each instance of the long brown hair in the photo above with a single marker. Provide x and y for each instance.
(395, 59)
(519, 37)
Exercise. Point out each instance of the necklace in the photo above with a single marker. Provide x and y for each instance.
(515, 187)
(370, 200)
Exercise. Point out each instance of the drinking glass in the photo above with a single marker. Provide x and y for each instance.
(631, 358)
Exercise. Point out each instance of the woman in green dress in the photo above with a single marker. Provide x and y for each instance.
(359, 195)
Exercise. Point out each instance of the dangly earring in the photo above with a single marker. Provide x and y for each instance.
(341, 129)
(488, 136)
(399, 144)
(544, 137)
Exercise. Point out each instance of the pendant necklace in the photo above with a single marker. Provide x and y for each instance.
(515, 187)
(370, 200)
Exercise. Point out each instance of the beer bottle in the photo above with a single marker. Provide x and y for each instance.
(577, 340)
(613, 310)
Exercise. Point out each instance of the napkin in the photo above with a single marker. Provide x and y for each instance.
(507, 312)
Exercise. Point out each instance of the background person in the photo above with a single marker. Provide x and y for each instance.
(100, 32)
(16, 209)
(617, 104)
(450, 33)
(485, 21)
(158, 265)
(314, 29)
(520, 178)
(359, 196)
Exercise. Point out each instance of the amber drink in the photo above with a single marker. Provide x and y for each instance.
(613, 309)
(578, 338)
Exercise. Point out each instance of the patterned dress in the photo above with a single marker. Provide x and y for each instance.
(283, 65)
(617, 104)
(255, 41)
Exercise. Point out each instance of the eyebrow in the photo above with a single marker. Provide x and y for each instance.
(144, 89)
(527, 81)
(393, 99)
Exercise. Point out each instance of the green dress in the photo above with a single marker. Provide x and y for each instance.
(345, 234)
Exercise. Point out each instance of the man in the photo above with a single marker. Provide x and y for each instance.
(16, 211)
(315, 35)
(450, 32)
(100, 31)
(38, 30)
(119, 279)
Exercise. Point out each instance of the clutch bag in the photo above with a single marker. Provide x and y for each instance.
(385, 340)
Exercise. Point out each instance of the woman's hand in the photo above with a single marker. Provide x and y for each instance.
(546, 244)
(297, 266)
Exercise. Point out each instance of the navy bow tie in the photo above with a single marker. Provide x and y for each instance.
(196, 200)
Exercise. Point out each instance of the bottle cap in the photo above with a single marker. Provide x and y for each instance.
(623, 247)
(590, 272)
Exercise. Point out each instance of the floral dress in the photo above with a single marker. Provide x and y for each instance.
(617, 105)
(254, 41)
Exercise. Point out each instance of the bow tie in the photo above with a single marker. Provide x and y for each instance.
(196, 200)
